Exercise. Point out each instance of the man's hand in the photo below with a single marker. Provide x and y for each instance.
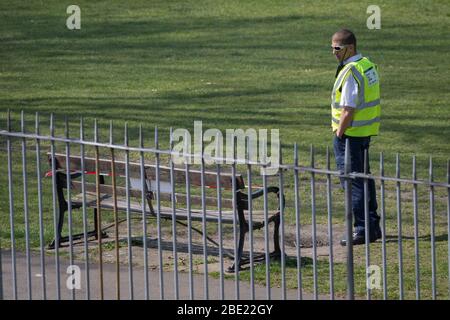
(344, 122)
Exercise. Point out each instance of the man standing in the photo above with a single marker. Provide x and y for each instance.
(355, 111)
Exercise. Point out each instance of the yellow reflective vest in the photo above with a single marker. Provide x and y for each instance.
(366, 118)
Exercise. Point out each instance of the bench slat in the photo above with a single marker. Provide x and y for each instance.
(104, 188)
(180, 198)
(135, 171)
(136, 207)
(182, 214)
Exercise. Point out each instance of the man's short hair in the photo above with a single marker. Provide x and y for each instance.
(346, 37)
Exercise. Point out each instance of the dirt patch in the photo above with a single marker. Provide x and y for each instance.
(166, 243)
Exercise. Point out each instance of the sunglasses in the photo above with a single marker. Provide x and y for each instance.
(339, 48)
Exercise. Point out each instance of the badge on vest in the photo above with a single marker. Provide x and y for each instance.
(371, 75)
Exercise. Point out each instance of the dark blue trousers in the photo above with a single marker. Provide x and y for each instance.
(358, 145)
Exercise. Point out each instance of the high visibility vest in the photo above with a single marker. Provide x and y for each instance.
(366, 118)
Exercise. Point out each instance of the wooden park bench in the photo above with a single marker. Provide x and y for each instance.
(135, 197)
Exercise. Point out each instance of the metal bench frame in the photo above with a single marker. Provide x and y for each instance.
(241, 202)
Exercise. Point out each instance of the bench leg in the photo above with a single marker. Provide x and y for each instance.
(62, 207)
(243, 229)
(275, 254)
(61, 210)
(96, 227)
(238, 258)
(276, 237)
(61, 239)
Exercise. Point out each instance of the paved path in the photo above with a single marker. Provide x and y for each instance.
(109, 274)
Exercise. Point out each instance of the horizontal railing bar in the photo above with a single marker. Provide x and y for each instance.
(410, 181)
(312, 170)
(125, 148)
(352, 175)
(84, 142)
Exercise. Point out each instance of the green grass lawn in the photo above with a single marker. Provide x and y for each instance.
(233, 64)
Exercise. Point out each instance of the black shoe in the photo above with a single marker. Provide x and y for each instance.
(378, 233)
(361, 239)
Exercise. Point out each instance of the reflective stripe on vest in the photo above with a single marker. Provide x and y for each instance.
(360, 123)
(338, 81)
(361, 105)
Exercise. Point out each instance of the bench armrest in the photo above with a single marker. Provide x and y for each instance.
(73, 175)
(243, 197)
